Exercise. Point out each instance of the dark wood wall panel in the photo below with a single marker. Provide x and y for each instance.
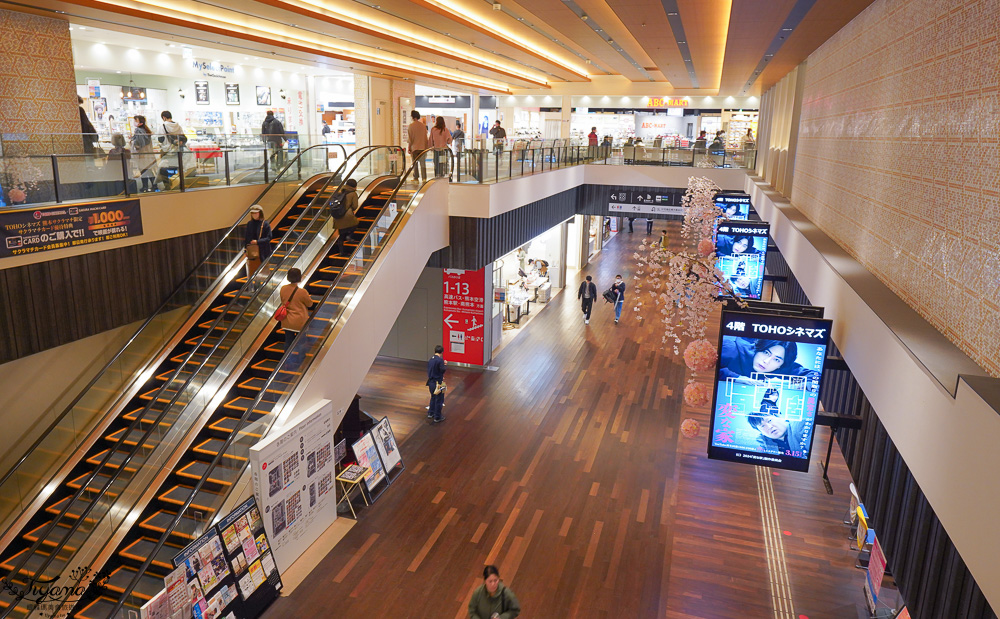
(56, 302)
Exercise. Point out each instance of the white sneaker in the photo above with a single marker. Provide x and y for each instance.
(586, 321)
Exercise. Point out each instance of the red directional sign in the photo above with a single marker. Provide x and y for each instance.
(464, 313)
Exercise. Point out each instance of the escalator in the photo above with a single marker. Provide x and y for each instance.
(218, 342)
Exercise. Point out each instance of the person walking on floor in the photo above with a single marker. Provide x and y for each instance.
(664, 241)
(273, 133)
(344, 213)
(416, 135)
(492, 599)
(630, 219)
(297, 303)
(256, 240)
(587, 293)
(619, 289)
(649, 225)
(435, 383)
(440, 141)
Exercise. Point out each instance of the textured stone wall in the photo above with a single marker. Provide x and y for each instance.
(898, 158)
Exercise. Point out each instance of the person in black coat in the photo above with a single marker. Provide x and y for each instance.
(619, 289)
(588, 292)
(258, 233)
(86, 128)
(435, 375)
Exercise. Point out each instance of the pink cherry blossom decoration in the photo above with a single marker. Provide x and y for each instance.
(697, 394)
(705, 248)
(690, 428)
(17, 196)
(700, 356)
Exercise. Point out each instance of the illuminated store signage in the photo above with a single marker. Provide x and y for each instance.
(669, 102)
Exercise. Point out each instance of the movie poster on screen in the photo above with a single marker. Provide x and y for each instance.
(735, 206)
(741, 255)
(385, 441)
(767, 389)
(293, 482)
(367, 455)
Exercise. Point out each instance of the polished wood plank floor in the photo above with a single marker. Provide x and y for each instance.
(565, 468)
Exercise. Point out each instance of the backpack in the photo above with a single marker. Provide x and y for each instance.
(338, 205)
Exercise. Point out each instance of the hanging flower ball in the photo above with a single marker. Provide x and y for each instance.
(705, 248)
(17, 196)
(690, 428)
(700, 356)
(697, 394)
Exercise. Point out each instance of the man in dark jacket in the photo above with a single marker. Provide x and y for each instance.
(458, 137)
(86, 128)
(435, 376)
(348, 222)
(273, 133)
(587, 292)
(499, 137)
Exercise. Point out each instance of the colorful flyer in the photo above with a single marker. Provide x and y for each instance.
(230, 538)
(257, 574)
(267, 562)
(250, 550)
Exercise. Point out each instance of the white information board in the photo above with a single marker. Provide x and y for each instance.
(293, 478)
(385, 441)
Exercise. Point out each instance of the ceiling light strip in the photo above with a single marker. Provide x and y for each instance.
(498, 32)
(795, 17)
(270, 40)
(673, 12)
(593, 25)
(384, 31)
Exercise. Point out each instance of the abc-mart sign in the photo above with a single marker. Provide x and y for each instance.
(668, 102)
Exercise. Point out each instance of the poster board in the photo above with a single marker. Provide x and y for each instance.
(385, 442)
(367, 455)
(255, 581)
(767, 389)
(207, 577)
(876, 569)
(293, 476)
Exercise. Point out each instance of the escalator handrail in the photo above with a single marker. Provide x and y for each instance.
(159, 311)
(317, 217)
(85, 486)
(248, 412)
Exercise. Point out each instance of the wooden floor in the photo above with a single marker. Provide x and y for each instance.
(565, 469)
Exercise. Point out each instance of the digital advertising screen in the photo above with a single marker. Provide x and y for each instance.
(734, 205)
(741, 250)
(767, 389)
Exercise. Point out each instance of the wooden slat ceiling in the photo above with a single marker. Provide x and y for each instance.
(529, 44)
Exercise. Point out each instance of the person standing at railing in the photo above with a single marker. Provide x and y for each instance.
(701, 141)
(142, 149)
(748, 141)
(273, 133)
(86, 128)
(416, 137)
(440, 140)
(499, 137)
(170, 145)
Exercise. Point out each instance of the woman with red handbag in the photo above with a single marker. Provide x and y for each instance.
(296, 303)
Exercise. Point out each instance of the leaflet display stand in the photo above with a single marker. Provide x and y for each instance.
(367, 454)
(388, 449)
(350, 479)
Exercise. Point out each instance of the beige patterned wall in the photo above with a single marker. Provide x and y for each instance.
(898, 158)
(37, 83)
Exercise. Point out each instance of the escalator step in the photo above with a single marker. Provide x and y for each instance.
(208, 324)
(242, 403)
(139, 550)
(145, 589)
(100, 609)
(98, 482)
(169, 374)
(34, 564)
(209, 341)
(75, 511)
(164, 395)
(54, 537)
(222, 475)
(116, 460)
(148, 416)
(256, 384)
(212, 446)
(265, 365)
(226, 425)
(129, 437)
(188, 527)
(196, 359)
(203, 500)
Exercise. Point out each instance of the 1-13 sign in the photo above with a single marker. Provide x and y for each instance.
(459, 288)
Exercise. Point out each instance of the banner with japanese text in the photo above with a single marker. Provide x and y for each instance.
(463, 316)
(58, 227)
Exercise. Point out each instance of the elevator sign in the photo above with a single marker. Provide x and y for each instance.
(464, 313)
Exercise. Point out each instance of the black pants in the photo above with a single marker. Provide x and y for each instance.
(588, 306)
(342, 235)
(649, 226)
(630, 225)
(293, 361)
(437, 401)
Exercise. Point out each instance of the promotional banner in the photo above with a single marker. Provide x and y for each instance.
(734, 205)
(876, 570)
(293, 475)
(385, 441)
(45, 229)
(741, 250)
(645, 202)
(464, 312)
(767, 389)
(367, 455)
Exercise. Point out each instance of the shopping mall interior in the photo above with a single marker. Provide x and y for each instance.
(569, 308)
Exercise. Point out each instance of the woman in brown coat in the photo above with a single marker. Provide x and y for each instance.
(298, 303)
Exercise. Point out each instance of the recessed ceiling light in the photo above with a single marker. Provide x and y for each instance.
(672, 13)
(82, 28)
(786, 29)
(681, 42)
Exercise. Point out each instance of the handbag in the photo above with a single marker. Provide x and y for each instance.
(282, 312)
(253, 249)
(440, 388)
